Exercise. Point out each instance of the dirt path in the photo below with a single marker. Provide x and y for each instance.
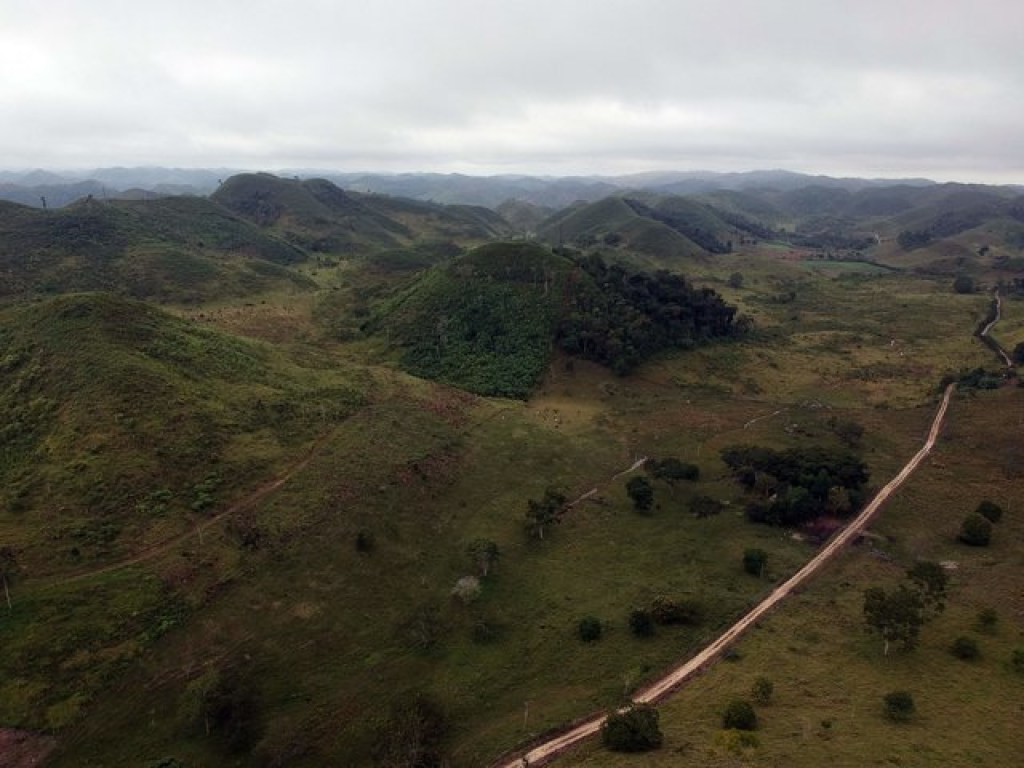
(996, 319)
(541, 754)
(250, 500)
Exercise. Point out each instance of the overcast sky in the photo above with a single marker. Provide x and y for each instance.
(846, 87)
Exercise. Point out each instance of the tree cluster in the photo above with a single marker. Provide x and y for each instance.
(672, 469)
(620, 318)
(798, 484)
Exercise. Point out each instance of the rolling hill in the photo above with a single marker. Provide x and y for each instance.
(170, 249)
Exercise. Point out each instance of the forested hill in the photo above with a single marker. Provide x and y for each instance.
(489, 321)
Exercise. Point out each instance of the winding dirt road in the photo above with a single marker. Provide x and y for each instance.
(542, 753)
(996, 319)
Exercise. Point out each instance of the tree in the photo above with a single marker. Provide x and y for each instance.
(963, 284)
(641, 492)
(762, 689)
(672, 469)
(705, 506)
(413, 736)
(736, 280)
(930, 580)
(667, 611)
(8, 571)
(896, 616)
(543, 513)
(990, 511)
(899, 706)
(755, 561)
(1018, 354)
(590, 629)
(641, 623)
(975, 531)
(633, 730)
(484, 553)
(965, 648)
(739, 715)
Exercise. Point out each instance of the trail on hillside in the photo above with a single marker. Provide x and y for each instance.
(542, 753)
(247, 501)
(985, 331)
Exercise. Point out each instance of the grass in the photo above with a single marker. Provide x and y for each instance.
(330, 637)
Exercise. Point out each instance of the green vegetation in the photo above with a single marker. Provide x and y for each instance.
(641, 492)
(633, 730)
(976, 531)
(264, 535)
(797, 485)
(899, 706)
(965, 648)
(739, 715)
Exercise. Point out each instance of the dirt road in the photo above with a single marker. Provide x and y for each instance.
(996, 319)
(543, 753)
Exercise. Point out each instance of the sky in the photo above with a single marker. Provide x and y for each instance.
(871, 88)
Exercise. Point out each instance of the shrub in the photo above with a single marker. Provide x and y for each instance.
(762, 689)
(641, 492)
(739, 715)
(640, 623)
(1017, 661)
(666, 611)
(755, 561)
(990, 511)
(590, 629)
(965, 648)
(365, 542)
(672, 469)
(633, 730)
(988, 620)
(705, 506)
(899, 706)
(975, 531)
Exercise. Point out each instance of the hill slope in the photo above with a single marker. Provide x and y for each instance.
(169, 249)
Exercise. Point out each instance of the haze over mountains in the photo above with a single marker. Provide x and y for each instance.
(62, 187)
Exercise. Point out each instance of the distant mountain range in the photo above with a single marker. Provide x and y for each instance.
(58, 188)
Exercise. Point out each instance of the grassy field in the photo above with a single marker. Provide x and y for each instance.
(330, 600)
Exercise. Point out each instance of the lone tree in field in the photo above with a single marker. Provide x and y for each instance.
(897, 616)
(484, 553)
(755, 562)
(544, 513)
(990, 511)
(899, 706)
(633, 730)
(975, 531)
(739, 715)
(8, 571)
(641, 492)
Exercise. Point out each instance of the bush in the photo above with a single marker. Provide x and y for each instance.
(762, 689)
(705, 506)
(634, 730)
(965, 648)
(739, 715)
(975, 531)
(590, 629)
(988, 620)
(666, 611)
(755, 561)
(990, 511)
(899, 706)
(672, 469)
(963, 284)
(641, 492)
(640, 623)
(1017, 661)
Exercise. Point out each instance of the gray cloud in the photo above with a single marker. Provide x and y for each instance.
(882, 88)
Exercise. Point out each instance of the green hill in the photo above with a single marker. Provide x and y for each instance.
(168, 249)
(490, 320)
(319, 216)
(110, 401)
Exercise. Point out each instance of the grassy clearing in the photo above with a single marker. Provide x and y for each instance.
(830, 675)
(331, 636)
